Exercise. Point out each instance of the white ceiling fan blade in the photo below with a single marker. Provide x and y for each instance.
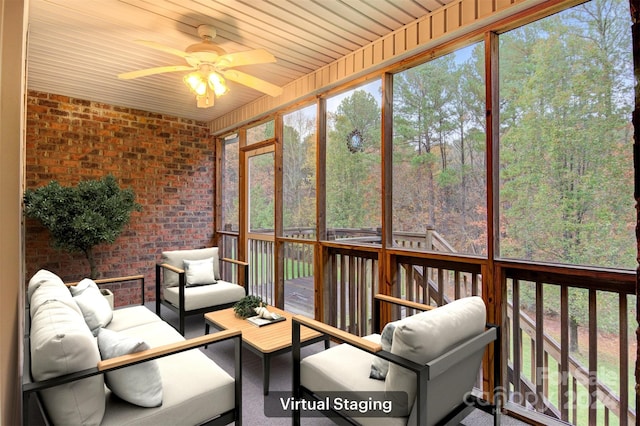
(249, 57)
(162, 47)
(253, 82)
(151, 71)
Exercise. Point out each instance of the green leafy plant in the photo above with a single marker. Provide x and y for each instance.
(79, 218)
(245, 307)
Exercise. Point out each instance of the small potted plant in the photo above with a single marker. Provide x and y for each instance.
(246, 307)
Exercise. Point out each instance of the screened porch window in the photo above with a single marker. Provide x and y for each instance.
(439, 171)
(353, 165)
(566, 179)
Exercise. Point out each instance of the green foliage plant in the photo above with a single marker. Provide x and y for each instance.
(245, 307)
(79, 218)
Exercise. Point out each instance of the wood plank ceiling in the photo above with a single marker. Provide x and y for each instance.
(77, 47)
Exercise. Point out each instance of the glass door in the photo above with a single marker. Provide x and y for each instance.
(260, 193)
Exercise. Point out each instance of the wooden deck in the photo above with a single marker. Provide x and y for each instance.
(298, 296)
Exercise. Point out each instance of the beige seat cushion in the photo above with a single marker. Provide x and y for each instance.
(131, 316)
(344, 368)
(204, 296)
(195, 389)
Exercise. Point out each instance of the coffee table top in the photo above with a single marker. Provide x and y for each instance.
(266, 339)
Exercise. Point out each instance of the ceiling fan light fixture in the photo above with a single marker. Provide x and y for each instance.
(196, 83)
(210, 67)
(217, 84)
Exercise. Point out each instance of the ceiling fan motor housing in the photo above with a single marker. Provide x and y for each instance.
(206, 32)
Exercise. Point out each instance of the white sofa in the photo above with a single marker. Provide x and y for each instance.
(151, 374)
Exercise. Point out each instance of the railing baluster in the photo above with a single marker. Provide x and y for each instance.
(539, 372)
(440, 287)
(517, 341)
(624, 363)
(351, 283)
(593, 357)
(574, 400)
(564, 353)
(343, 291)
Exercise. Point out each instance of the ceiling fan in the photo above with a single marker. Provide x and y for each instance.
(210, 67)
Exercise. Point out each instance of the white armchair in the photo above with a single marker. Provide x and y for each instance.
(189, 282)
(425, 365)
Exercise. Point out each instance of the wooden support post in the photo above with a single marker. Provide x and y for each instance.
(634, 6)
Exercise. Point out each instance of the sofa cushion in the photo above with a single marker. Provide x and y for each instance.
(154, 333)
(45, 286)
(132, 316)
(195, 388)
(427, 335)
(203, 296)
(176, 259)
(139, 384)
(199, 272)
(95, 308)
(61, 343)
(379, 366)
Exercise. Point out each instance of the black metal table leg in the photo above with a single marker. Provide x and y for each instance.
(266, 369)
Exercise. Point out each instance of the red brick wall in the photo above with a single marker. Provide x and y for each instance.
(167, 161)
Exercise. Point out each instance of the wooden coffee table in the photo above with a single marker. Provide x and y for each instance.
(266, 341)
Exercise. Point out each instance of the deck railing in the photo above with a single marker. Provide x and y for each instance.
(570, 344)
(570, 331)
(349, 294)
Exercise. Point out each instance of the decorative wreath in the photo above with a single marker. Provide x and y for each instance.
(355, 142)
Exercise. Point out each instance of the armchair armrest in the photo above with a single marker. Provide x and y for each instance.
(245, 271)
(346, 337)
(402, 302)
(114, 280)
(352, 339)
(237, 262)
(171, 268)
(378, 299)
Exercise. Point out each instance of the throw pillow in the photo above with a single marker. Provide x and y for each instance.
(379, 366)
(176, 258)
(199, 272)
(138, 384)
(95, 307)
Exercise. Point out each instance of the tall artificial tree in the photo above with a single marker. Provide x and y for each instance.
(79, 218)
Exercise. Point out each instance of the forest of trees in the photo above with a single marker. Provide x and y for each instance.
(565, 159)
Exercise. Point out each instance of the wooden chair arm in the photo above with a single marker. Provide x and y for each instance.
(164, 350)
(114, 280)
(237, 262)
(171, 268)
(402, 302)
(110, 280)
(352, 339)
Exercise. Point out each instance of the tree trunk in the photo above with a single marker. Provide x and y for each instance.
(93, 274)
(573, 335)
